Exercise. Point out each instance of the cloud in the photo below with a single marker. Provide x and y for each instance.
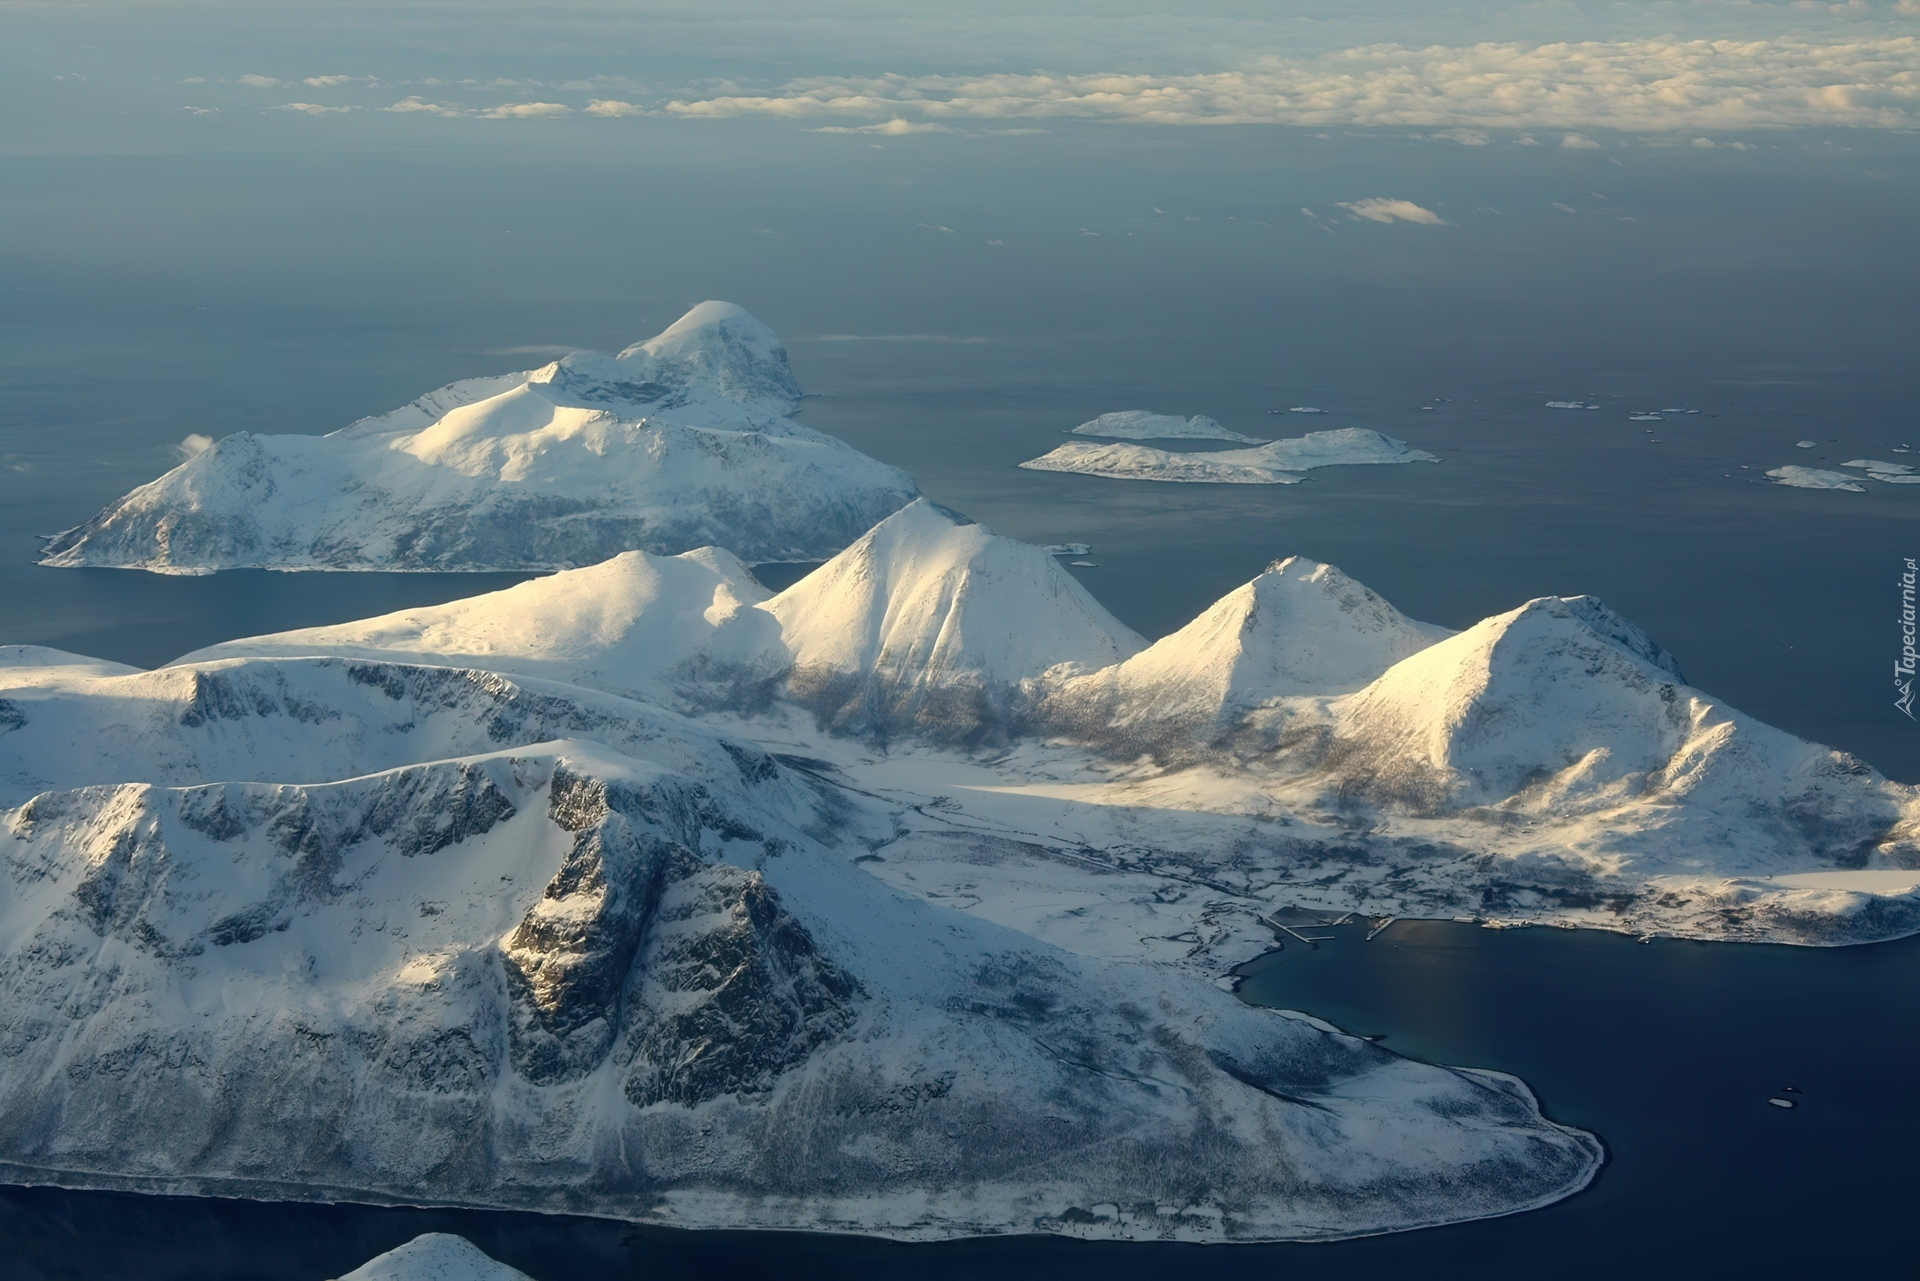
(1565, 208)
(1702, 142)
(898, 126)
(525, 111)
(313, 108)
(1381, 209)
(939, 338)
(193, 446)
(194, 80)
(201, 111)
(258, 82)
(415, 105)
(612, 107)
(934, 226)
(1574, 142)
(1646, 84)
(326, 82)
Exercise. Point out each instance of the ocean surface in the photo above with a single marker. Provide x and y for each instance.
(955, 303)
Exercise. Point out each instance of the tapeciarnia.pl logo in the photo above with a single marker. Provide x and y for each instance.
(1903, 669)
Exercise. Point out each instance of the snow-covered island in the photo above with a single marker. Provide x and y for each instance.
(1277, 463)
(435, 1256)
(902, 901)
(1796, 477)
(679, 442)
(1140, 424)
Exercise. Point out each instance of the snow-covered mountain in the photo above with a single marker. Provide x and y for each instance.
(678, 442)
(933, 622)
(1554, 751)
(472, 940)
(1299, 629)
(929, 623)
(454, 905)
(1561, 707)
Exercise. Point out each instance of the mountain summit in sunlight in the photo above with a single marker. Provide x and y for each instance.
(678, 442)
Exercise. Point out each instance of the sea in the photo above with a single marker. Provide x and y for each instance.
(954, 303)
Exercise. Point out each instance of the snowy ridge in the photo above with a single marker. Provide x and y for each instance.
(929, 623)
(676, 630)
(1271, 464)
(676, 443)
(1140, 424)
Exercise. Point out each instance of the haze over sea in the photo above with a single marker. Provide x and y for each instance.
(978, 229)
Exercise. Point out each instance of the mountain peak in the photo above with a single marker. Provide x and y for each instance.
(718, 349)
(1299, 628)
(1560, 684)
(935, 620)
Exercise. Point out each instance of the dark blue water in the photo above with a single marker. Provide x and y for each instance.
(1668, 1051)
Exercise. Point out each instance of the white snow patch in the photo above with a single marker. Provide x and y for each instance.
(1878, 880)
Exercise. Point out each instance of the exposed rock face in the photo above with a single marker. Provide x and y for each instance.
(732, 992)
